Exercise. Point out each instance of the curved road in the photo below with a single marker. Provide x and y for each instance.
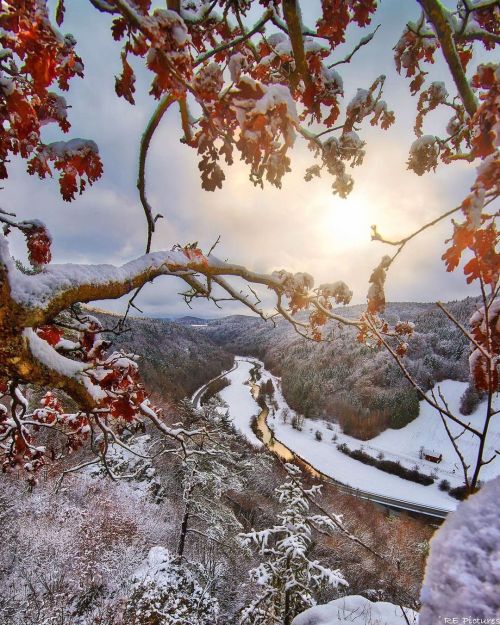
(196, 398)
(389, 502)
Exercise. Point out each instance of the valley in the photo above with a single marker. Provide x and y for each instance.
(316, 442)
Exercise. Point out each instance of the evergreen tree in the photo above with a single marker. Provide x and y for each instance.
(214, 464)
(287, 576)
(165, 592)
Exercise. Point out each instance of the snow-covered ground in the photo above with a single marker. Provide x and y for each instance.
(356, 610)
(403, 445)
(242, 406)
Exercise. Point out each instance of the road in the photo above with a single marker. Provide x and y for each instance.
(199, 393)
(389, 502)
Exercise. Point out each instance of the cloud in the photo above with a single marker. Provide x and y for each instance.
(301, 227)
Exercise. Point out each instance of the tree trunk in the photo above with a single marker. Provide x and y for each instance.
(184, 529)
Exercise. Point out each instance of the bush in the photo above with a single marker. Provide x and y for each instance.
(261, 401)
(298, 422)
(444, 485)
(459, 492)
(165, 591)
(318, 435)
(389, 466)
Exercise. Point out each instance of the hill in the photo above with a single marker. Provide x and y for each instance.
(363, 387)
(175, 359)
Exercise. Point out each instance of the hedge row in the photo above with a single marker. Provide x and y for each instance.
(389, 466)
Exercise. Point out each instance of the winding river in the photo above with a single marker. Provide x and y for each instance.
(260, 432)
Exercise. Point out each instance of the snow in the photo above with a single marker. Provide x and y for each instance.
(463, 570)
(404, 444)
(67, 149)
(339, 290)
(421, 143)
(48, 357)
(427, 430)
(37, 291)
(165, 591)
(275, 95)
(355, 610)
(235, 65)
(6, 85)
(242, 406)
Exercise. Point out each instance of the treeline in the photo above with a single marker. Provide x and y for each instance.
(175, 360)
(215, 387)
(394, 467)
(343, 380)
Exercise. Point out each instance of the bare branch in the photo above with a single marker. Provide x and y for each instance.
(362, 42)
(153, 123)
(453, 439)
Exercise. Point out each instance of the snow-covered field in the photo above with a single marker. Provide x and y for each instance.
(403, 445)
(242, 406)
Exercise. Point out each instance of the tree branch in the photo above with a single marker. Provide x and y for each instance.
(155, 119)
(438, 16)
(291, 12)
(231, 44)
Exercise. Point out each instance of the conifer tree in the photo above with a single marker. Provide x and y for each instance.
(287, 576)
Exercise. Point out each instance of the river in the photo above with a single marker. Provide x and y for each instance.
(256, 424)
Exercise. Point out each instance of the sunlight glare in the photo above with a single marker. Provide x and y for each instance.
(346, 224)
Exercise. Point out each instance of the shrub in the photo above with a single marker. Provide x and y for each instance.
(298, 422)
(389, 466)
(459, 492)
(444, 485)
(318, 435)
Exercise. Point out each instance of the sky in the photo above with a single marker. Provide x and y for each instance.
(302, 227)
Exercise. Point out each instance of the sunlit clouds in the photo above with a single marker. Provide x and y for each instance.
(302, 227)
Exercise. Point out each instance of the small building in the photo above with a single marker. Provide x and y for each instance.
(431, 455)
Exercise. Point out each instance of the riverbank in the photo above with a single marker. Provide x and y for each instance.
(322, 455)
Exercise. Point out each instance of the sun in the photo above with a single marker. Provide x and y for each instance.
(346, 224)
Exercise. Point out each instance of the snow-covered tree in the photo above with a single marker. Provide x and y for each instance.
(131, 460)
(282, 83)
(214, 467)
(287, 577)
(165, 592)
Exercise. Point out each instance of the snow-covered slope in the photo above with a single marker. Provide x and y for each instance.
(427, 430)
